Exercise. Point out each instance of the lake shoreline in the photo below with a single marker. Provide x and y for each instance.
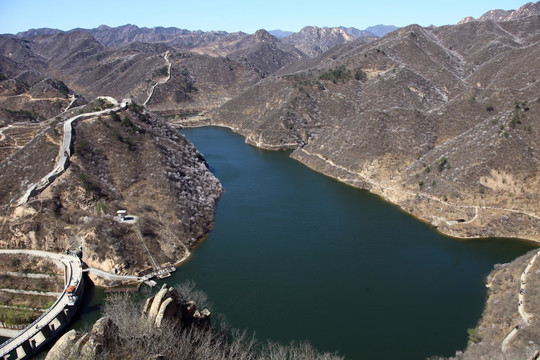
(450, 229)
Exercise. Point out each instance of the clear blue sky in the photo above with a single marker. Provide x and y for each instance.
(239, 15)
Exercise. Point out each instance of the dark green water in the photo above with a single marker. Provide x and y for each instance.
(295, 255)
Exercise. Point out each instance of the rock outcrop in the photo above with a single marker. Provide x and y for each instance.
(77, 345)
(165, 312)
(529, 9)
(313, 40)
(168, 307)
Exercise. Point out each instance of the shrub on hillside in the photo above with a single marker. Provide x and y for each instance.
(137, 338)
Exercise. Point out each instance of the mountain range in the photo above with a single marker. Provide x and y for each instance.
(378, 113)
(443, 121)
(308, 42)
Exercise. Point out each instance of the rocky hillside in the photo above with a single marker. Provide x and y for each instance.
(127, 160)
(80, 64)
(313, 41)
(175, 37)
(509, 327)
(441, 121)
(262, 50)
(529, 9)
(27, 94)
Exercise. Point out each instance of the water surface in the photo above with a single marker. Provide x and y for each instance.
(295, 255)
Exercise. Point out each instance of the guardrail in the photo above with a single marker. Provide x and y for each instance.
(32, 329)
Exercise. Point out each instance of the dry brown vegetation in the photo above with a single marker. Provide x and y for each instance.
(123, 334)
(441, 123)
(124, 160)
(28, 264)
(49, 284)
(38, 302)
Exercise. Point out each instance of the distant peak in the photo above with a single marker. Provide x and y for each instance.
(498, 15)
(466, 20)
(262, 35)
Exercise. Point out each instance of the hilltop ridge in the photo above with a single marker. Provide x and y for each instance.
(441, 121)
(444, 122)
(529, 9)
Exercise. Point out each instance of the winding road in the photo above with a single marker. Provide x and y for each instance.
(73, 276)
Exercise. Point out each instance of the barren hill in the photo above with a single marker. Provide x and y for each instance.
(442, 121)
(261, 50)
(529, 9)
(89, 68)
(127, 160)
(313, 41)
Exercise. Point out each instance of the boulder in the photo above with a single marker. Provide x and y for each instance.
(168, 311)
(156, 302)
(63, 348)
(103, 337)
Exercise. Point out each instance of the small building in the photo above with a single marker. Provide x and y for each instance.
(121, 214)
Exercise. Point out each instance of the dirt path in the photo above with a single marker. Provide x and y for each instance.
(32, 292)
(523, 290)
(25, 308)
(525, 316)
(28, 275)
(31, 98)
(166, 57)
(409, 193)
(2, 135)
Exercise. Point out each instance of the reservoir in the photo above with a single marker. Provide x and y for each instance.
(295, 255)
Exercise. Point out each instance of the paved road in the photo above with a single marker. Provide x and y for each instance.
(73, 271)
